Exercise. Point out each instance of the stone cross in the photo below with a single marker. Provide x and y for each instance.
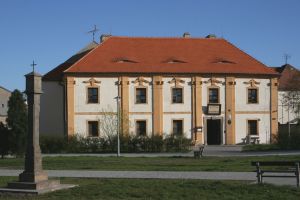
(33, 162)
(33, 179)
(32, 65)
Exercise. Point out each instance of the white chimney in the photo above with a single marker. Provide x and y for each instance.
(186, 35)
(104, 37)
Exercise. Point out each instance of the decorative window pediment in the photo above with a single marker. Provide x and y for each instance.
(140, 81)
(252, 83)
(213, 81)
(92, 82)
(177, 81)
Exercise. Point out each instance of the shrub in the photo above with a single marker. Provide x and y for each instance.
(128, 144)
(53, 144)
(174, 143)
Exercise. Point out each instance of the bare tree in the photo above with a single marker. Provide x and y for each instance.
(292, 97)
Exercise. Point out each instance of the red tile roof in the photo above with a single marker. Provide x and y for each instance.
(168, 55)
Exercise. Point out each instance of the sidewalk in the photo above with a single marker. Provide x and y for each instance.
(218, 151)
(247, 176)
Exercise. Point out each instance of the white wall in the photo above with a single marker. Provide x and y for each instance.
(263, 105)
(221, 86)
(173, 111)
(167, 118)
(133, 107)
(84, 111)
(52, 109)
(168, 106)
(134, 117)
(241, 126)
(241, 95)
(107, 92)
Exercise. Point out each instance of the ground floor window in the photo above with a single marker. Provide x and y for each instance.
(141, 127)
(93, 128)
(177, 127)
(252, 127)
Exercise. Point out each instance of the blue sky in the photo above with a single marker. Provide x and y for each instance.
(51, 31)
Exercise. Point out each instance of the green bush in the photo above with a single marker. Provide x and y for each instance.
(128, 144)
(53, 144)
(174, 143)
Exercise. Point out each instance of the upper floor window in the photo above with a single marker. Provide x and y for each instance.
(140, 95)
(252, 127)
(141, 127)
(177, 127)
(177, 95)
(252, 95)
(93, 128)
(213, 95)
(93, 95)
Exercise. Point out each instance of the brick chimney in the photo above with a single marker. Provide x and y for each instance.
(104, 37)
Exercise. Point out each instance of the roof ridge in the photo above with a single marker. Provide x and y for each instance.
(85, 56)
(248, 55)
(5, 89)
(153, 37)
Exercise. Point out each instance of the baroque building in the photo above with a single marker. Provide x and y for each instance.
(206, 89)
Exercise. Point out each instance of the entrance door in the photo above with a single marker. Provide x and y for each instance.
(213, 131)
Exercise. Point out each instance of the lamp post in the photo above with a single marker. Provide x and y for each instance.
(118, 98)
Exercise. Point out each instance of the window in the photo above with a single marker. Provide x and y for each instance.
(93, 95)
(141, 127)
(177, 95)
(2, 105)
(213, 95)
(252, 127)
(252, 95)
(177, 127)
(141, 95)
(93, 127)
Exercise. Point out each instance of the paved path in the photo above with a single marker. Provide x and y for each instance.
(248, 176)
(219, 151)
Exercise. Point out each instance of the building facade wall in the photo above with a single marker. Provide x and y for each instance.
(109, 89)
(52, 109)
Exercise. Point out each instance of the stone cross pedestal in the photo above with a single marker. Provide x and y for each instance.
(34, 179)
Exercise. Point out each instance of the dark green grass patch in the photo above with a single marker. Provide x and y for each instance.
(147, 164)
(163, 189)
(261, 147)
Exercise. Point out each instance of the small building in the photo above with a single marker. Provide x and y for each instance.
(288, 111)
(205, 89)
(4, 97)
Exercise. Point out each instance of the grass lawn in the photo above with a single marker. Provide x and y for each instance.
(146, 164)
(162, 189)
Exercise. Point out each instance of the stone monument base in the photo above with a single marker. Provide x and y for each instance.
(35, 187)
